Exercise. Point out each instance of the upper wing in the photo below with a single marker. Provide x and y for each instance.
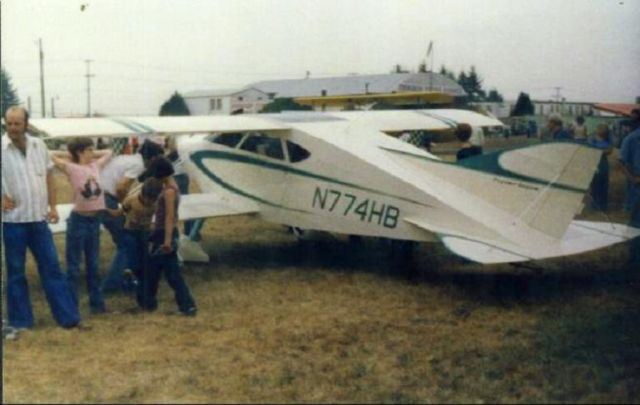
(414, 120)
(385, 121)
(128, 126)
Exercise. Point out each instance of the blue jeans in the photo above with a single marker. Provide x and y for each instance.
(634, 247)
(115, 225)
(167, 264)
(137, 249)
(600, 186)
(83, 237)
(37, 237)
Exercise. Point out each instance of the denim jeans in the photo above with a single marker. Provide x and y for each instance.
(634, 247)
(600, 186)
(167, 264)
(83, 237)
(37, 237)
(113, 281)
(137, 252)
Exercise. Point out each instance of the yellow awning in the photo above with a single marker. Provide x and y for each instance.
(414, 97)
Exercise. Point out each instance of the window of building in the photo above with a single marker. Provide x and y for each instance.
(218, 104)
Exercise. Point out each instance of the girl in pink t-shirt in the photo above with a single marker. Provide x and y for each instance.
(82, 166)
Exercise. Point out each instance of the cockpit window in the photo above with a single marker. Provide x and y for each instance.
(230, 140)
(264, 145)
(296, 152)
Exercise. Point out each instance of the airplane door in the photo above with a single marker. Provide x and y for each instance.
(262, 173)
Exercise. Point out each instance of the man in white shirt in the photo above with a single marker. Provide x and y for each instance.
(116, 178)
(28, 201)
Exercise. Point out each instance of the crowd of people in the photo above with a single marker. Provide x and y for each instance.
(102, 194)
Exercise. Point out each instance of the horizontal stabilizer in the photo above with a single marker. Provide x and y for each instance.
(581, 236)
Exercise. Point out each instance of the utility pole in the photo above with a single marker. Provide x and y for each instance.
(89, 76)
(53, 106)
(29, 103)
(558, 97)
(42, 99)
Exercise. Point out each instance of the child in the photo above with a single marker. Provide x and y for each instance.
(83, 225)
(138, 208)
(164, 256)
(600, 182)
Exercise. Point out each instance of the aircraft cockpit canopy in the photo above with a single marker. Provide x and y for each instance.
(262, 144)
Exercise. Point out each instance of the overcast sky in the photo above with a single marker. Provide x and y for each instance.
(143, 50)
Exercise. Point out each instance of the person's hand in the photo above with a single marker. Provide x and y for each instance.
(53, 216)
(166, 248)
(8, 204)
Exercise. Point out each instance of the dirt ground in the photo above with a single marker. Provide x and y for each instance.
(332, 321)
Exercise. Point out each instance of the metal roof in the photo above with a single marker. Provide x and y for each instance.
(360, 84)
(217, 92)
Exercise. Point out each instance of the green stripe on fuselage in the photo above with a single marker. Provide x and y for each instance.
(488, 163)
(199, 156)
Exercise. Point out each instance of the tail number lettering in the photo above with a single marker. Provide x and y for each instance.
(365, 209)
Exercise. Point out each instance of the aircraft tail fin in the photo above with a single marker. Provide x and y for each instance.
(540, 186)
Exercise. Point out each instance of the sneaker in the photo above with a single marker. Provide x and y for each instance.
(129, 280)
(190, 312)
(9, 333)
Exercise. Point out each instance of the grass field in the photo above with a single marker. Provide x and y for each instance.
(283, 321)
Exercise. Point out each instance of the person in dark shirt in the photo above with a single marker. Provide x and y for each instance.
(463, 133)
(555, 130)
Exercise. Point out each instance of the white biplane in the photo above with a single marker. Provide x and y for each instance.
(340, 172)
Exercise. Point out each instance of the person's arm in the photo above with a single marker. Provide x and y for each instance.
(102, 157)
(627, 172)
(52, 196)
(122, 187)
(7, 203)
(169, 218)
(60, 158)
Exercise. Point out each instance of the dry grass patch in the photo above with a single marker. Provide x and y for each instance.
(282, 321)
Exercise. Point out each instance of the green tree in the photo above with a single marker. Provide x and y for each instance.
(495, 96)
(284, 104)
(523, 106)
(175, 106)
(447, 73)
(9, 95)
(463, 81)
(474, 86)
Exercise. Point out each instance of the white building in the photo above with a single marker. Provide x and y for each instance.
(360, 84)
(540, 108)
(252, 98)
(226, 102)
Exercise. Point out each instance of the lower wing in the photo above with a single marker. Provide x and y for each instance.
(192, 206)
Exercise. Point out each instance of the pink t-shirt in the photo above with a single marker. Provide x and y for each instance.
(85, 182)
